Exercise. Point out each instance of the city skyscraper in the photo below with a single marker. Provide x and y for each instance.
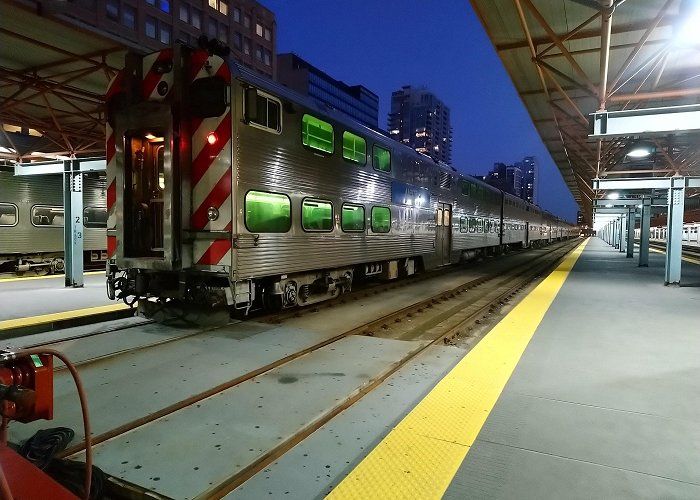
(519, 179)
(356, 101)
(420, 120)
(529, 183)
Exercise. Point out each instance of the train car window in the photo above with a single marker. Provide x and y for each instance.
(95, 217)
(47, 216)
(472, 224)
(381, 159)
(267, 212)
(317, 134)
(446, 218)
(8, 214)
(354, 148)
(463, 225)
(487, 226)
(160, 163)
(262, 110)
(381, 220)
(208, 97)
(445, 181)
(352, 218)
(316, 215)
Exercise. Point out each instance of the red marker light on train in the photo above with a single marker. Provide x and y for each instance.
(212, 138)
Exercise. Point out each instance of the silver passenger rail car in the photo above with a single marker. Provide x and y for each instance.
(32, 219)
(227, 188)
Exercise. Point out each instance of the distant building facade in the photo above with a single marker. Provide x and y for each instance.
(529, 186)
(420, 120)
(245, 26)
(355, 101)
(519, 179)
(498, 177)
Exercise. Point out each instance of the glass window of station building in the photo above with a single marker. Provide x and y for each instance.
(355, 101)
(154, 24)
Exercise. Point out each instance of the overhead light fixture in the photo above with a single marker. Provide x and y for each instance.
(609, 205)
(614, 195)
(689, 17)
(640, 149)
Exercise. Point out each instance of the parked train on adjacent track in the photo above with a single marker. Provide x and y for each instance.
(31, 222)
(691, 233)
(227, 188)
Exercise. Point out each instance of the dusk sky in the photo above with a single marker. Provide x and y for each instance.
(441, 45)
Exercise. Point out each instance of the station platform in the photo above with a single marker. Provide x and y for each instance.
(589, 388)
(35, 302)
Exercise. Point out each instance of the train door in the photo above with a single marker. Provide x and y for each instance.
(443, 232)
(144, 191)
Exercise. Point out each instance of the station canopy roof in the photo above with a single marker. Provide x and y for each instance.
(53, 79)
(565, 66)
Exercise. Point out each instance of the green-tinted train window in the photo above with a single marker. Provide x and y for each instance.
(473, 222)
(381, 220)
(354, 148)
(267, 212)
(316, 215)
(352, 217)
(381, 158)
(317, 134)
(463, 225)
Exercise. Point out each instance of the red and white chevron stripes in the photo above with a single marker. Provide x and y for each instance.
(211, 170)
(115, 86)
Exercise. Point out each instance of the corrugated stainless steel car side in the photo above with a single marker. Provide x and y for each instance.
(24, 238)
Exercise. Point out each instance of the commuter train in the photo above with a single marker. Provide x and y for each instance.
(227, 188)
(31, 221)
(691, 233)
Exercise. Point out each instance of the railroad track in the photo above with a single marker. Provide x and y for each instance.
(439, 319)
(689, 250)
(440, 325)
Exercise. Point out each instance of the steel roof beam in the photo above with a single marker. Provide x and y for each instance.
(646, 183)
(641, 43)
(624, 203)
(593, 33)
(608, 124)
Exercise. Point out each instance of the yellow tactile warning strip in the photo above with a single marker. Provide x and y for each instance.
(51, 276)
(421, 455)
(60, 316)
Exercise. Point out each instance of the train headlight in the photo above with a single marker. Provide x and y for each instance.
(212, 213)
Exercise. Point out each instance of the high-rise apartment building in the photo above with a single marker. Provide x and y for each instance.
(356, 101)
(419, 119)
(247, 27)
(529, 183)
(514, 177)
(519, 179)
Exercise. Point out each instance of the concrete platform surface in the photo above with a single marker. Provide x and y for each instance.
(604, 402)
